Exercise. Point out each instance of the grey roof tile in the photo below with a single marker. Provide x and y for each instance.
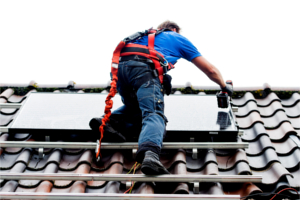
(275, 121)
(282, 132)
(115, 168)
(285, 147)
(50, 168)
(173, 158)
(262, 161)
(247, 109)
(249, 121)
(182, 188)
(294, 111)
(21, 136)
(36, 163)
(143, 188)
(8, 111)
(272, 174)
(9, 186)
(259, 146)
(245, 99)
(204, 157)
(16, 98)
(270, 110)
(241, 168)
(70, 162)
(211, 189)
(17, 168)
(226, 163)
(294, 181)
(295, 122)
(209, 169)
(6, 94)
(268, 100)
(110, 158)
(295, 98)
(242, 189)
(255, 131)
(82, 168)
(44, 186)
(292, 160)
(5, 119)
(7, 161)
(109, 187)
(3, 137)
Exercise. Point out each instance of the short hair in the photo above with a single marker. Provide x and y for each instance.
(169, 25)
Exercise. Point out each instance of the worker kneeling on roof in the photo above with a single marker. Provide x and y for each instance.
(145, 58)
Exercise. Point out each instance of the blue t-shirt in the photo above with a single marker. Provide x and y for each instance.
(172, 46)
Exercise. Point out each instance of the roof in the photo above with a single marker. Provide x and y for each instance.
(270, 121)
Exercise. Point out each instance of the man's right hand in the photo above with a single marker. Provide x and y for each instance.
(229, 89)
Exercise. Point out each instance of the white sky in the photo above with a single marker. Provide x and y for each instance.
(52, 42)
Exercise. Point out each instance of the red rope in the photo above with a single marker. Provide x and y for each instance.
(112, 92)
(284, 190)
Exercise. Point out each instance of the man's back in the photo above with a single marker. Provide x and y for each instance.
(172, 46)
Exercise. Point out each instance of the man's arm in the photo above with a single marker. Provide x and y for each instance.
(211, 71)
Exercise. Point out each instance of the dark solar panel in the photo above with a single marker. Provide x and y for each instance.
(71, 112)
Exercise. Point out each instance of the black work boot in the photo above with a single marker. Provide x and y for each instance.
(152, 166)
(110, 134)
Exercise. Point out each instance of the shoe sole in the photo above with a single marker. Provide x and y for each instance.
(149, 168)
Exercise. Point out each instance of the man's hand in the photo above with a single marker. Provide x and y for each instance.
(229, 89)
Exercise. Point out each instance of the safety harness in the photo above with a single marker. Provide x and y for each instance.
(127, 49)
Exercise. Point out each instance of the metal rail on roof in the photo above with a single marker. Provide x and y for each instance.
(97, 196)
(136, 177)
(10, 105)
(125, 145)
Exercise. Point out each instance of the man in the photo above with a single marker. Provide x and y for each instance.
(144, 103)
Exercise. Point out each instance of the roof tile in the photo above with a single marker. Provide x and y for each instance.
(271, 109)
(285, 147)
(254, 132)
(243, 100)
(282, 132)
(295, 122)
(268, 100)
(275, 121)
(258, 147)
(262, 161)
(115, 168)
(272, 174)
(295, 98)
(247, 109)
(249, 121)
(292, 160)
(226, 163)
(293, 111)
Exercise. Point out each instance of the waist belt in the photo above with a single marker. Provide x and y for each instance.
(136, 58)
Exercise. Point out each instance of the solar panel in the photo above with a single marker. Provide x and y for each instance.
(58, 113)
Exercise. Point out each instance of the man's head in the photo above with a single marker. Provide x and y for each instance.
(169, 25)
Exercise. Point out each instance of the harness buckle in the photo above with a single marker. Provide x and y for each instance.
(155, 74)
(164, 65)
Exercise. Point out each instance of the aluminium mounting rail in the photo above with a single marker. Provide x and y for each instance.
(97, 196)
(10, 105)
(135, 177)
(125, 145)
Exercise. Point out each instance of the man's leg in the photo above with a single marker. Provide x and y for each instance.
(151, 103)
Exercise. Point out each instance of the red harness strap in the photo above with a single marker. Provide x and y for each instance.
(148, 52)
(112, 92)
